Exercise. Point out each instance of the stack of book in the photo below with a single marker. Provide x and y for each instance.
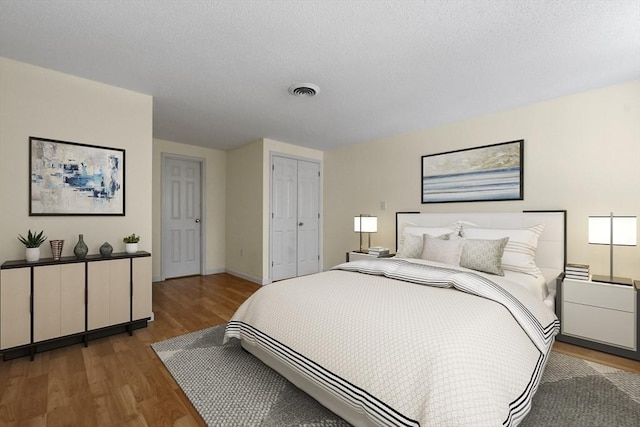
(577, 271)
(378, 251)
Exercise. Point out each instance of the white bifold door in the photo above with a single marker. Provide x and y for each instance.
(295, 217)
(181, 217)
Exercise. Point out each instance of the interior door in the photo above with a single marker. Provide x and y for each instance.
(295, 218)
(181, 217)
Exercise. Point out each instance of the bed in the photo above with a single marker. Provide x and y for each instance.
(420, 341)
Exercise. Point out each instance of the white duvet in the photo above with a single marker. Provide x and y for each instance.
(407, 343)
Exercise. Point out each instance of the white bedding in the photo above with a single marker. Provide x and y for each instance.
(405, 353)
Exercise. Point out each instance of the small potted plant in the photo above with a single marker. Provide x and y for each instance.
(131, 244)
(32, 244)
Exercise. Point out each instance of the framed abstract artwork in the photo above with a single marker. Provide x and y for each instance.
(68, 178)
(487, 173)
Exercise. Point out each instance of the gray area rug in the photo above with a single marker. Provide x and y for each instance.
(230, 387)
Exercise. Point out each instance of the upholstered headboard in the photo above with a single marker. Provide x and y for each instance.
(551, 251)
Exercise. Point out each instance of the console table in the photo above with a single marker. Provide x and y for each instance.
(53, 303)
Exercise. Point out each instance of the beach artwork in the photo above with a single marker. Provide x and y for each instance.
(487, 173)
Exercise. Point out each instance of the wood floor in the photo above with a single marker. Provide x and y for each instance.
(119, 381)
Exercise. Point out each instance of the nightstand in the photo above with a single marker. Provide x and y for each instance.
(355, 256)
(600, 316)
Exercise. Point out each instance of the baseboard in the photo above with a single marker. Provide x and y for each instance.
(207, 272)
(245, 276)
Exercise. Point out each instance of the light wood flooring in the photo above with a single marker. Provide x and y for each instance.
(119, 381)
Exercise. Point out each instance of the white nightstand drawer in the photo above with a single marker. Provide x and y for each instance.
(599, 324)
(616, 297)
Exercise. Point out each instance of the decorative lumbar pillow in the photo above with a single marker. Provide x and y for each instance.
(442, 250)
(483, 255)
(520, 252)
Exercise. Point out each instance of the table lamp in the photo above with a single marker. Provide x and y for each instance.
(612, 230)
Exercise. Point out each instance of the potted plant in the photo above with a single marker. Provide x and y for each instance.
(32, 244)
(131, 244)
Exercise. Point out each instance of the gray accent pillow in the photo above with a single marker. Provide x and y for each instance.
(483, 255)
(411, 247)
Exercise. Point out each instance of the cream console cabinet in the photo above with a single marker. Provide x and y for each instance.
(49, 304)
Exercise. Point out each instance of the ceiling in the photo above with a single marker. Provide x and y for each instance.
(219, 70)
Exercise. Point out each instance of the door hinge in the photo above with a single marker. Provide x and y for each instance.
(318, 173)
(273, 167)
(271, 263)
(318, 257)
(272, 215)
(318, 215)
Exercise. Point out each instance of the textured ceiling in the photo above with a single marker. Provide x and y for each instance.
(219, 70)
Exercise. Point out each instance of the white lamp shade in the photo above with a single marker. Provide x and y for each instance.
(369, 224)
(624, 230)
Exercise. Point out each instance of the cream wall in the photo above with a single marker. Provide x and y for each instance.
(39, 102)
(582, 154)
(214, 186)
(244, 211)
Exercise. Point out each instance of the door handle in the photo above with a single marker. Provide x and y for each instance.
(197, 220)
(301, 224)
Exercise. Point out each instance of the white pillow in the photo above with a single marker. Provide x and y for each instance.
(520, 252)
(442, 250)
(431, 231)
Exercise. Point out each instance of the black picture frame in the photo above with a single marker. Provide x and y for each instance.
(480, 174)
(75, 179)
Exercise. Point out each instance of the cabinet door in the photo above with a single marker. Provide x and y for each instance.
(98, 294)
(46, 302)
(72, 299)
(109, 293)
(141, 288)
(119, 291)
(58, 301)
(15, 313)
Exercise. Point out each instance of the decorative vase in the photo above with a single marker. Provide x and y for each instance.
(32, 254)
(106, 249)
(56, 248)
(81, 249)
(131, 248)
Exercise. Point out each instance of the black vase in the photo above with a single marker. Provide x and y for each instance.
(81, 249)
(106, 249)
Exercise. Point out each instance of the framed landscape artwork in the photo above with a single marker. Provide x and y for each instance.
(488, 173)
(68, 178)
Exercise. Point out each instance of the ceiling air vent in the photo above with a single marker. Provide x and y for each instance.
(304, 89)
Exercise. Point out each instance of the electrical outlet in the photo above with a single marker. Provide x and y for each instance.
(383, 206)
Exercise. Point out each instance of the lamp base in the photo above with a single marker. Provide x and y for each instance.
(615, 280)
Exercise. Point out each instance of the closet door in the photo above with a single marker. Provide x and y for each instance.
(308, 253)
(295, 218)
(284, 218)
